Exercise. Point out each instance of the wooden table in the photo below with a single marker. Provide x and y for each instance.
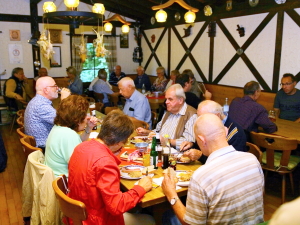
(288, 129)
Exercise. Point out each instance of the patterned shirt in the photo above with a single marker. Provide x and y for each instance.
(249, 114)
(38, 119)
(102, 87)
(170, 125)
(228, 189)
(160, 86)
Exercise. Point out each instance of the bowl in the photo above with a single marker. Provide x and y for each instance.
(141, 146)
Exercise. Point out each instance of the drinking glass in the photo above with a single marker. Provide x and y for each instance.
(272, 116)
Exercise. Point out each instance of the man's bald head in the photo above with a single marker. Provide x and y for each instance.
(209, 106)
(43, 82)
(46, 86)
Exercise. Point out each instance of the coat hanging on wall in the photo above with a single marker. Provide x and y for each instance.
(137, 55)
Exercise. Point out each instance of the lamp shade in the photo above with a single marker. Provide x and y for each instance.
(108, 27)
(98, 8)
(190, 17)
(161, 16)
(125, 29)
(71, 3)
(49, 7)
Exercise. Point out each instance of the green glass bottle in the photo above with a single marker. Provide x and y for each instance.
(153, 153)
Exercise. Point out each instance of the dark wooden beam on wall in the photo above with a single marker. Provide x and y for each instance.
(34, 24)
(278, 49)
(169, 53)
(211, 59)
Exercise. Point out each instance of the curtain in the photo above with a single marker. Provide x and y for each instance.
(110, 45)
(76, 62)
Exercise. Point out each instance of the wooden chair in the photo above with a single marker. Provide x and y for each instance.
(21, 112)
(20, 121)
(71, 208)
(21, 132)
(99, 97)
(99, 106)
(28, 143)
(280, 161)
(154, 118)
(109, 109)
(139, 123)
(113, 99)
(90, 99)
(154, 106)
(252, 148)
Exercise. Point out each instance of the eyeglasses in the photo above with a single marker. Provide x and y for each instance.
(55, 86)
(286, 84)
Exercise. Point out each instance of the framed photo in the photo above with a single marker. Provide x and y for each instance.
(55, 36)
(14, 35)
(124, 41)
(55, 61)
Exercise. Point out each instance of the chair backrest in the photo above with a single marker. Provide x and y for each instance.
(99, 106)
(21, 132)
(272, 143)
(71, 208)
(28, 143)
(21, 112)
(154, 106)
(154, 118)
(139, 123)
(90, 99)
(20, 121)
(99, 97)
(255, 151)
(109, 109)
(113, 99)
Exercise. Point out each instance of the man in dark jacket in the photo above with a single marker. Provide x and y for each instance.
(142, 79)
(235, 137)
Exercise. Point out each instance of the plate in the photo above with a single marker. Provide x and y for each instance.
(181, 183)
(143, 138)
(126, 176)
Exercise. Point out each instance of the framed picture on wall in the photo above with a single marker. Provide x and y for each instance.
(14, 35)
(124, 41)
(55, 36)
(55, 61)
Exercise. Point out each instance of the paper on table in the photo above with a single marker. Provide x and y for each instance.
(94, 134)
(158, 181)
(166, 150)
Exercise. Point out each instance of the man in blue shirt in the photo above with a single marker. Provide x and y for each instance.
(115, 76)
(39, 114)
(142, 79)
(137, 105)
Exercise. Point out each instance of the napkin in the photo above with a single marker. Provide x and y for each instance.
(94, 134)
(158, 181)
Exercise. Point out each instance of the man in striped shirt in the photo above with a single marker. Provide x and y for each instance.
(228, 189)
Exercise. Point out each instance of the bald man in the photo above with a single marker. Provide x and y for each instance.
(116, 76)
(137, 105)
(142, 79)
(228, 189)
(39, 114)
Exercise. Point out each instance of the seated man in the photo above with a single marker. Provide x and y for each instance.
(248, 113)
(194, 89)
(102, 87)
(41, 73)
(137, 105)
(39, 114)
(94, 176)
(178, 120)
(95, 80)
(190, 98)
(287, 100)
(228, 189)
(142, 79)
(235, 137)
(115, 76)
(16, 89)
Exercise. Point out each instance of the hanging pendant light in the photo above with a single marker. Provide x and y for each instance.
(49, 7)
(71, 3)
(98, 8)
(190, 17)
(108, 27)
(161, 16)
(125, 29)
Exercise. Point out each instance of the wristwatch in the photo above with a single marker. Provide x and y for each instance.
(173, 200)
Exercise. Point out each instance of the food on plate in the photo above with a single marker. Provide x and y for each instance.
(170, 171)
(185, 176)
(129, 170)
(150, 170)
(138, 139)
(184, 159)
(135, 174)
(134, 156)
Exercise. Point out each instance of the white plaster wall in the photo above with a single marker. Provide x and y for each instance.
(21, 7)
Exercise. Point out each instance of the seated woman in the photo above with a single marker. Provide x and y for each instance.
(74, 82)
(94, 176)
(161, 81)
(71, 117)
(174, 74)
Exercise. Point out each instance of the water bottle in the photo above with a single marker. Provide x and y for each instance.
(143, 89)
(226, 107)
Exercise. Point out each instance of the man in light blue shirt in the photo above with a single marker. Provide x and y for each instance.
(137, 105)
(102, 87)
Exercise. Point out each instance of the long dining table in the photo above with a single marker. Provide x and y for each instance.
(288, 129)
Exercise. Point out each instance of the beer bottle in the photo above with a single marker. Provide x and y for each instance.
(153, 153)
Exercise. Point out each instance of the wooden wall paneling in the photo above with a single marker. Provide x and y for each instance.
(153, 50)
(278, 49)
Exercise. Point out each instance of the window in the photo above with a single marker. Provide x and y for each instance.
(92, 65)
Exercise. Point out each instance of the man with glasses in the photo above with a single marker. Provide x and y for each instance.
(287, 100)
(39, 114)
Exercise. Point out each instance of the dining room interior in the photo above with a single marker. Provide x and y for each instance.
(226, 43)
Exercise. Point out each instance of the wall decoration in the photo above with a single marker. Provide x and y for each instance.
(212, 29)
(241, 31)
(55, 61)
(124, 41)
(137, 55)
(15, 53)
(56, 36)
(152, 38)
(14, 35)
(187, 31)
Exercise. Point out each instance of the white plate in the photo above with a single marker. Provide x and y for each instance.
(181, 183)
(126, 176)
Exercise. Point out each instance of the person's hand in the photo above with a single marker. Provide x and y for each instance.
(193, 154)
(65, 92)
(146, 183)
(297, 120)
(185, 145)
(207, 95)
(142, 131)
(92, 121)
(169, 186)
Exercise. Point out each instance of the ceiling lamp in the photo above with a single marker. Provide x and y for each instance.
(161, 16)
(125, 28)
(190, 17)
(108, 27)
(73, 17)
